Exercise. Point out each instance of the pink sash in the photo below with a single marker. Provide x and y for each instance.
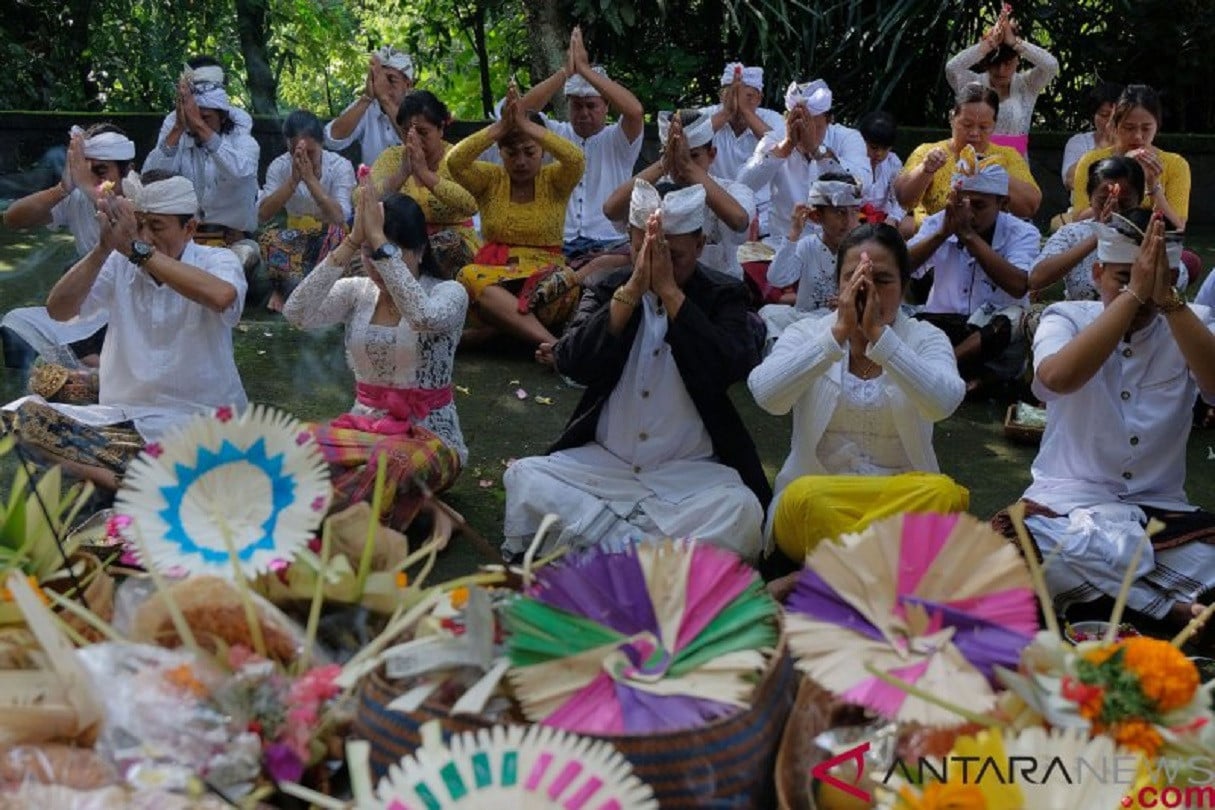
(1018, 142)
(404, 406)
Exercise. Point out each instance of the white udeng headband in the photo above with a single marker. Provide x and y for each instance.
(697, 133)
(397, 60)
(173, 195)
(835, 193)
(683, 211)
(751, 76)
(815, 95)
(106, 145)
(1116, 247)
(577, 85)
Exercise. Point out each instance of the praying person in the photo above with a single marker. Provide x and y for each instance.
(611, 150)
(220, 159)
(96, 156)
(688, 156)
(313, 185)
(979, 256)
(172, 305)
(655, 448)
(402, 323)
(738, 125)
(811, 146)
(880, 203)
(865, 387)
(371, 119)
(1119, 377)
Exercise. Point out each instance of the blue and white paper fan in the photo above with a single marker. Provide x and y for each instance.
(517, 767)
(256, 475)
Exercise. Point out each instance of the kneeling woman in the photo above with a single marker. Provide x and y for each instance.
(402, 327)
(519, 282)
(865, 388)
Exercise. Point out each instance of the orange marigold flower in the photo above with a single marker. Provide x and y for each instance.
(945, 796)
(1139, 735)
(184, 679)
(1166, 676)
(459, 598)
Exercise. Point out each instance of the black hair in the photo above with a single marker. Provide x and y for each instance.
(885, 235)
(425, 104)
(206, 60)
(405, 227)
(1119, 168)
(305, 123)
(976, 93)
(150, 176)
(516, 136)
(1002, 54)
(839, 177)
(879, 129)
(1102, 93)
(124, 166)
(1137, 95)
(1142, 219)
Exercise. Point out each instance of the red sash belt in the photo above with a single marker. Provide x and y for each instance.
(403, 407)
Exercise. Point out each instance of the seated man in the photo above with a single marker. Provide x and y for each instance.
(168, 352)
(371, 119)
(655, 447)
(980, 258)
(101, 154)
(1119, 377)
(206, 146)
(687, 157)
(811, 146)
(611, 150)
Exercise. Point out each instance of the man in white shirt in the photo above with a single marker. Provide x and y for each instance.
(371, 119)
(611, 149)
(811, 145)
(102, 154)
(655, 448)
(1119, 377)
(980, 257)
(688, 156)
(172, 305)
(206, 146)
(738, 125)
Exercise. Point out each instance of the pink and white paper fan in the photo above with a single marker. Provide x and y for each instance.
(254, 482)
(517, 767)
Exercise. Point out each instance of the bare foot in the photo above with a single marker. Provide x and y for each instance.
(1182, 613)
(779, 589)
(544, 355)
(444, 522)
(275, 304)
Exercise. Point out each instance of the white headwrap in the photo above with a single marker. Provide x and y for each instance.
(683, 211)
(834, 193)
(697, 133)
(173, 195)
(213, 98)
(576, 85)
(397, 60)
(751, 76)
(106, 145)
(980, 176)
(207, 83)
(213, 74)
(1120, 242)
(816, 95)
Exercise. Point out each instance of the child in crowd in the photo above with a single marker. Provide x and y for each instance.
(879, 130)
(807, 257)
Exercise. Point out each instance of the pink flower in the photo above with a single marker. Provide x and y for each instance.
(363, 172)
(316, 685)
(239, 655)
(303, 716)
(153, 449)
(115, 526)
(303, 437)
(318, 503)
(224, 413)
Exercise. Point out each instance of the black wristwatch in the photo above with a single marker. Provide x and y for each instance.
(140, 252)
(386, 251)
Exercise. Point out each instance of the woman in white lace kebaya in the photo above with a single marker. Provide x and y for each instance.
(402, 325)
(865, 388)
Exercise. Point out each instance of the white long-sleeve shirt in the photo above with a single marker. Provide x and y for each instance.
(1017, 111)
(789, 178)
(223, 171)
(374, 132)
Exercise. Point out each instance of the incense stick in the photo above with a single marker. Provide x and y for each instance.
(1029, 551)
(1128, 576)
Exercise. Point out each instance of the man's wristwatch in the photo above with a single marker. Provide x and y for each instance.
(140, 252)
(386, 251)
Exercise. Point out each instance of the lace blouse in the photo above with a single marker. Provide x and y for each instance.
(861, 437)
(419, 352)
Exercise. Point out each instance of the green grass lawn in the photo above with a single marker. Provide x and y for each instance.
(306, 374)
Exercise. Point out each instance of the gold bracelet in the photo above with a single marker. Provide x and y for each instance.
(1134, 295)
(1174, 303)
(624, 298)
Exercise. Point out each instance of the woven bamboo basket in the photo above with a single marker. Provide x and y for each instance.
(1014, 431)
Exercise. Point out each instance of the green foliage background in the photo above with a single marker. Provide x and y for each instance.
(122, 55)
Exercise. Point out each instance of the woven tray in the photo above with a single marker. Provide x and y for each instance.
(1021, 434)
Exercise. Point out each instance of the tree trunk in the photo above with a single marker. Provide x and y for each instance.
(487, 90)
(550, 36)
(253, 32)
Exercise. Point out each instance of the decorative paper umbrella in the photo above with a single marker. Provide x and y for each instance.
(658, 637)
(523, 768)
(253, 481)
(935, 600)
